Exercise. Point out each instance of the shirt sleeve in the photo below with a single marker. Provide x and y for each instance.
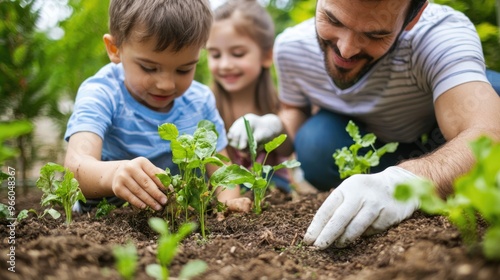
(448, 53)
(92, 111)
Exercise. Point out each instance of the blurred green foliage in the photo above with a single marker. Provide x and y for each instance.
(23, 75)
(483, 14)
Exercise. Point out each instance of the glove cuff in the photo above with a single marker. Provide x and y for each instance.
(399, 171)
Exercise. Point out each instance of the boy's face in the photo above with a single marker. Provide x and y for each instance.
(155, 79)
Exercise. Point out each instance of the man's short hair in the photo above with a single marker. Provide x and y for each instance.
(172, 23)
(415, 6)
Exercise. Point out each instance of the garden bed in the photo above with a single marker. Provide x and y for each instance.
(242, 246)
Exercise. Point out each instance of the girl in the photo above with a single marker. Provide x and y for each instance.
(240, 55)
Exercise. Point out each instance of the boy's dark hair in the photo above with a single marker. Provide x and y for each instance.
(172, 23)
(250, 19)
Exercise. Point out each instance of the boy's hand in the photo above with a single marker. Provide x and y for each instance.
(135, 182)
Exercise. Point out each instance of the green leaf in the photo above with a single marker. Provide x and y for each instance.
(252, 144)
(20, 55)
(52, 212)
(208, 126)
(168, 131)
(23, 214)
(126, 260)
(104, 208)
(155, 270)
(158, 225)
(350, 163)
(165, 178)
(353, 131)
(231, 175)
(14, 129)
(192, 269)
(367, 140)
(206, 146)
(275, 143)
(491, 244)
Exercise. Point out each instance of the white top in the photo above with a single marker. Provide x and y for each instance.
(394, 98)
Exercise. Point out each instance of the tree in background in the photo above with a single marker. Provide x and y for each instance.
(23, 74)
(79, 54)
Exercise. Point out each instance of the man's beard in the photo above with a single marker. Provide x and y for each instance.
(342, 77)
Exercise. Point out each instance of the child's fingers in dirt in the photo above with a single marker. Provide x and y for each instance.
(143, 195)
(240, 204)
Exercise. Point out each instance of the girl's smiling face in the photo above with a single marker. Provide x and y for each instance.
(234, 59)
(154, 78)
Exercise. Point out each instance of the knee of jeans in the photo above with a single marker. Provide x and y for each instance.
(322, 175)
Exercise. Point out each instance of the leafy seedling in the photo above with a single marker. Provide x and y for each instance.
(64, 192)
(104, 208)
(193, 154)
(476, 192)
(126, 260)
(348, 160)
(263, 173)
(167, 249)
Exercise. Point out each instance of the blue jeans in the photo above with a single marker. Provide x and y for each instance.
(494, 78)
(324, 133)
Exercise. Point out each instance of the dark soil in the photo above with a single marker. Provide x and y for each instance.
(243, 246)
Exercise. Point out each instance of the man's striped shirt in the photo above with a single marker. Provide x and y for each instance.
(394, 99)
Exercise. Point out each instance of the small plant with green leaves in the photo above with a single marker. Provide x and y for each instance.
(263, 173)
(64, 192)
(192, 154)
(475, 193)
(104, 208)
(167, 249)
(348, 160)
(126, 260)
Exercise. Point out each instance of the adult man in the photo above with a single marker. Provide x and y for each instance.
(399, 69)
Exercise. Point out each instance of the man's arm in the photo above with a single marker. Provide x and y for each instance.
(464, 113)
(292, 118)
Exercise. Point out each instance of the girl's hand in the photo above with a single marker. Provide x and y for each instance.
(135, 182)
(240, 204)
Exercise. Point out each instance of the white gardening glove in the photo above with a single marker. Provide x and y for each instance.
(264, 128)
(362, 204)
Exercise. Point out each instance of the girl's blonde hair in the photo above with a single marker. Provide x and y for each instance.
(253, 20)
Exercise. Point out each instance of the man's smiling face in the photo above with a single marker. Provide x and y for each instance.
(355, 34)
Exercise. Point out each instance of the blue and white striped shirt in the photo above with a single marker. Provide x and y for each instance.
(129, 129)
(395, 97)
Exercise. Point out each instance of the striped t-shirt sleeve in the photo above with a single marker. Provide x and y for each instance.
(448, 52)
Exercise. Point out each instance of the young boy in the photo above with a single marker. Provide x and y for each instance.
(114, 148)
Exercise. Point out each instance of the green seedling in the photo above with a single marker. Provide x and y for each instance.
(104, 208)
(476, 192)
(348, 160)
(263, 173)
(4, 212)
(64, 192)
(167, 249)
(7, 212)
(192, 154)
(126, 260)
